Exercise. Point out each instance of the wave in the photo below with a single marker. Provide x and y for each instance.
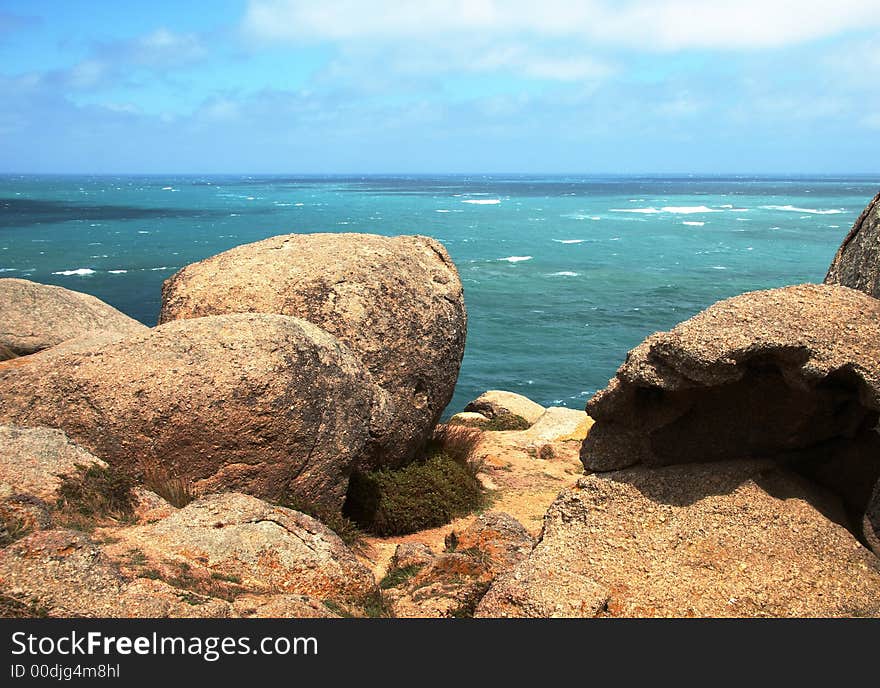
(691, 223)
(441, 211)
(795, 209)
(117, 272)
(564, 273)
(646, 211)
(569, 241)
(482, 201)
(8, 269)
(82, 272)
(516, 259)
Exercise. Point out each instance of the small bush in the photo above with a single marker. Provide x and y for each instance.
(418, 496)
(95, 492)
(176, 491)
(347, 530)
(505, 421)
(399, 576)
(12, 528)
(457, 442)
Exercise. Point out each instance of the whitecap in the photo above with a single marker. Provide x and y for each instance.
(441, 211)
(167, 188)
(719, 267)
(117, 272)
(78, 271)
(161, 268)
(569, 241)
(482, 201)
(299, 205)
(141, 231)
(8, 269)
(646, 211)
(688, 209)
(516, 259)
(693, 224)
(795, 209)
(564, 273)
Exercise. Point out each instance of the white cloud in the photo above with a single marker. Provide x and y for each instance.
(640, 24)
(164, 48)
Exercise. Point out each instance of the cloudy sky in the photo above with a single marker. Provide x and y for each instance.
(337, 86)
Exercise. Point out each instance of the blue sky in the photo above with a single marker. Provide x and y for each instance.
(339, 86)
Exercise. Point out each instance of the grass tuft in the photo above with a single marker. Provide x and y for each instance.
(95, 492)
(399, 576)
(175, 490)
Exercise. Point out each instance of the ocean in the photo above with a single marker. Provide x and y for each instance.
(562, 274)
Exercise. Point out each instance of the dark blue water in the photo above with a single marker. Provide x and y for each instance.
(562, 275)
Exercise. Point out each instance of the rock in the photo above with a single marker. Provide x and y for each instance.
(871, 521)
(149, 506)
(281, 607)
(791, 374)
(395, 301)
(719, 539)
(559, 424)
(264, 404)
(64, 573)
(497, 404)
(452, 583)
(469, 419)
(411, 554)
(38, 316)
(239, 544)
(31, 463)
(857, 263)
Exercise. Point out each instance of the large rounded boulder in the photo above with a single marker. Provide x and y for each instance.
(38, 316)
(265, 404)
(857, 263)
(395, 301)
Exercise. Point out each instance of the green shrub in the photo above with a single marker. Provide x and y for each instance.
(95, 492)
(505, 421)
(421, 495)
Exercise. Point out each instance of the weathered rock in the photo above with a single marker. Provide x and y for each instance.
(395, 301)
(733, 538)
(791, 374)
(259, 403)
(64, 573)
(560, 424)
(411, 554)
(469, 419)
(281, 607)
(871, 521)
(452, 583)
(38, 316)
(32, 461)
(497, 404)
(244, 545)
(857, 263)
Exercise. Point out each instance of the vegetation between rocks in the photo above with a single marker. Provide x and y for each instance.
(175, 490)
(399, 576)
(93, 493)
(500, 423)
(423, 494)
(347, 530)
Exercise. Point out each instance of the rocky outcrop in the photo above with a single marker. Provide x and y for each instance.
(451, 584)
(38, 316)
(223, 555)
(791, 374)
(560, 424)
(734, 538)
(265, 404)
(499, 405)
(251, 545)
(396, 302)
(32, 461)
(857, 263)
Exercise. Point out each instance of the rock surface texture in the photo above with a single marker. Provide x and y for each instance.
(396, 302)
(498, 404)
(36, 316)
(265, 404)
(720, 539)
(857, 263)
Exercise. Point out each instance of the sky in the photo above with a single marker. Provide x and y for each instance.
(440, 86)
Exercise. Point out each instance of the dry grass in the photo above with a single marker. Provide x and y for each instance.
(175, 490)
(93, 494)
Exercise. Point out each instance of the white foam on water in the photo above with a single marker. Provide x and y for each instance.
(515, 259)
(161, 268)
(299, 205)
(564, 273)
(569, 241)
(482, 201)
(795, 209)
(441, 211)
(691, 223)
(8, 269)
(117, 272)
(80, 272)
(167, 188)
(646, 211)
(743, 219)
(719, 267)
(834, 226)
(141, 231)
(688, 209)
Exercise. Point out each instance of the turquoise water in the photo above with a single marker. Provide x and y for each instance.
(562, 275)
